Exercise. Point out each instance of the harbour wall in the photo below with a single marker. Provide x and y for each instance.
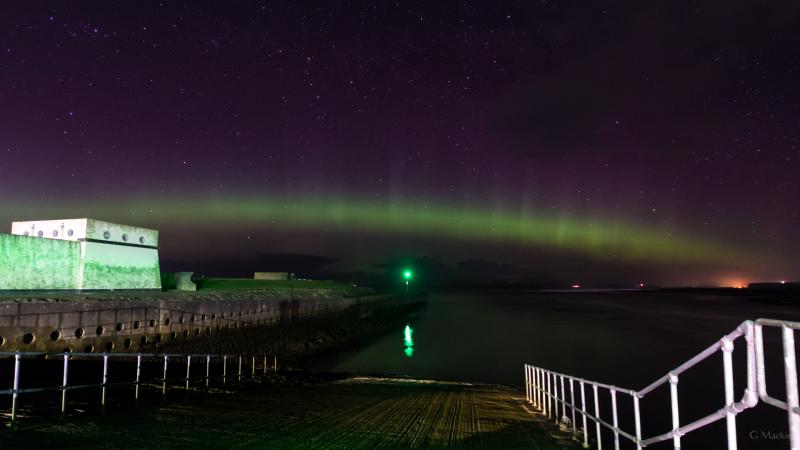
(147, 322)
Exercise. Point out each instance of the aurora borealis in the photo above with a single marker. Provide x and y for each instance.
(608, 143)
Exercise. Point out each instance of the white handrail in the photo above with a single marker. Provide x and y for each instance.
(540, 393)
(16, 391)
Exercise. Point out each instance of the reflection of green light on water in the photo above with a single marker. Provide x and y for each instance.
(409, 341)
(409, 336)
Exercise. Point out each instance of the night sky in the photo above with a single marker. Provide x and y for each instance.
(625, 142)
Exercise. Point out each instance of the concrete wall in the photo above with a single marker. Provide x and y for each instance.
(86, 229)
(35, 263)
(271, 276)
(143, 325)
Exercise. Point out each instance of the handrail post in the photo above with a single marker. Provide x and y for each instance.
(253, 368)
(614, 418)
(792, 400)
(138, 376)
(549, 396)
(539, 387)
(15, 388)
(637, 421)
(676, 422)
(105, 380)
(164, 379)
(240, 368)
(563, 399)
(727, 366)
(265, 365)
(572, 404)
(583, 412)
(188, 370)
(64, 383)
(224, 369)
(597, 415)
(527, 383)
(555, 400)
(208, 368)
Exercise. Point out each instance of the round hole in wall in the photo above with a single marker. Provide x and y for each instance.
(28, 338)
(55, 335)
(197, 331)
(136, 324)
(167, 321)
(2, 341)
(125, 237)
(40, 233)
(152, 322)
(185, 333)
(218, 327)
(141, 239)
(127, 343)
(159, 337)
(26, 234)
(236, 325)
(120, 326)
(70, 232)
(79, 332)
(106, 234)
(227, 326)
(66, 350)
(110, 346)
(208, 330)
(88, 349)
(191, 319)
(181, 320)
(213, 316)
(222, 315)
(203, 317)
(143, 340)
(173, 335)
(55, 233)
(100, 330)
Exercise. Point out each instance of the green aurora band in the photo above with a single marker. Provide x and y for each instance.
(611, 240)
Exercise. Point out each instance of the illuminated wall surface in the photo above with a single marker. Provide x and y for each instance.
(78, 254)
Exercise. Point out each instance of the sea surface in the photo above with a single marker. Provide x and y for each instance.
(623, 338)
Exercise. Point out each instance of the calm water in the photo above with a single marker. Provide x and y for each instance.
(626, 339)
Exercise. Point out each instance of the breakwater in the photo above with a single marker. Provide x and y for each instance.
(152, 321)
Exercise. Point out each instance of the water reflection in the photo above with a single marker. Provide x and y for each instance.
(409, 341)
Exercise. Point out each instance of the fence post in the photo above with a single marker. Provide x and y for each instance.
(240, 368)
(555, 400)
(638, 421)
(15, 389)
(563, 400)
(527, 383)
(138, 375)
(64, 383)
(265, 365)
(224, 369)
(549, 396)
(188, 370)
(790, 375)
(208, 368)
(727, 367)
(572, 404)
(614, 418)
(583, 412)
(164, 379)
(676, 422)
(253, 369)
(597, 415)
(105, 380)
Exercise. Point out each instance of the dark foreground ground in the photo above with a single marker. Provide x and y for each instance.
(366, 413)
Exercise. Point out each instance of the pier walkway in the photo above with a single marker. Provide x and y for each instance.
(367, 413)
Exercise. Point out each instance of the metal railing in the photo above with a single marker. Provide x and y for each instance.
(136, 381)
(542, 388)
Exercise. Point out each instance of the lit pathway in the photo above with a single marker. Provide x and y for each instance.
(355, 413)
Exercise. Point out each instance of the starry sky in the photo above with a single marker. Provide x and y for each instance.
(602, 142)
